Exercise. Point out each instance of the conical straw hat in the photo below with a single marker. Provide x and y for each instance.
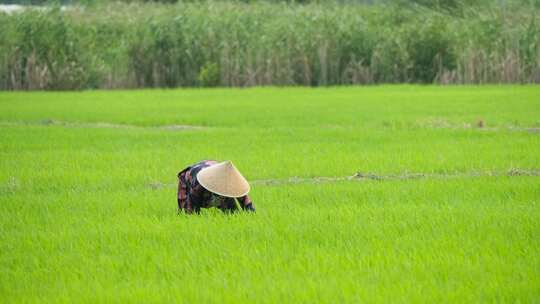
(223, 179)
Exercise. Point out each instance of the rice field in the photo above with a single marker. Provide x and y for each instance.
(363, 194)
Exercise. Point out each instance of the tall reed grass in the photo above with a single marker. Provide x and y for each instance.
(238, 44)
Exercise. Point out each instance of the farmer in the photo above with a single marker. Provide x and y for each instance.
(209, 184)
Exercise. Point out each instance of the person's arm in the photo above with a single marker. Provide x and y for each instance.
(246, 203)
(184, 200)
(182, 191)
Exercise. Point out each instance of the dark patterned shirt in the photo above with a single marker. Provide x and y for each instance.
(192, 196)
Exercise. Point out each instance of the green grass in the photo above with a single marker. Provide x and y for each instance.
(281, 43)
(89, 211)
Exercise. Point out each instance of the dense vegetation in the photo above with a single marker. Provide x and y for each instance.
(227, 43)
(448, 211)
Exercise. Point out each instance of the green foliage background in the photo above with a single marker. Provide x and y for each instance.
(230, 43)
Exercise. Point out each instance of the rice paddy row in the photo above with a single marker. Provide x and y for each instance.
(427, 204)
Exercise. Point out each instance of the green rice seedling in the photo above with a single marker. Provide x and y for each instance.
(363, 194)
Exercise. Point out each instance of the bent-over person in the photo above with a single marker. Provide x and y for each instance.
(209, 183)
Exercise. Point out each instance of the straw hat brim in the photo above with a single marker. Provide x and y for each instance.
(223, 179)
